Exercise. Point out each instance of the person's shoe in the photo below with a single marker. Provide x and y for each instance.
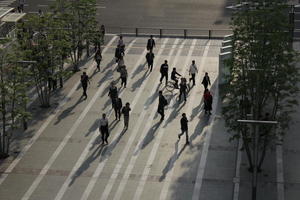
(178, 136)
(106, 142)
(187, 143)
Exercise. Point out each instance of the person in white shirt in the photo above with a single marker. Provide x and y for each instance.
(193, 70)
(103, 128)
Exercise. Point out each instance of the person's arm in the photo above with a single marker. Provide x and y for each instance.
(178, 74)
(153, 43)
(209, 80)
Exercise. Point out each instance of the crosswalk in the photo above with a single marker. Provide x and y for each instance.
(65, 159)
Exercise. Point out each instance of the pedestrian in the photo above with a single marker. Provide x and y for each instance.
(206, 81)
(182, 89)
(124, 74)
(102, 31)
(21, 5)
(121, 63)
(164, 71)
(193, 70)
(126, 109)
(162, 102)
(98, 58)
(103, 128)
(174, 78)
(150, 59)
(150, 43)
(208, 99)
(84, 83)
(117, 107)
(113, 93)
(121, 44)
(184, 128)
(118, 54)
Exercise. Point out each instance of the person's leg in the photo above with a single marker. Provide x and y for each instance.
(126, 118)
(179, 135)
(166, 75)
(184, 95)
(151, 66)
(102, 135)
(176, 83)
(187, 136)
(119, 113)
(193, 78)
(116, 113)
(125, 82)
(161, 77)
(162, 114)
(84, 91)
(106, 136)
(180, 93)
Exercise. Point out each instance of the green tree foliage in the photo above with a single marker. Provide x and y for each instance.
(42, 39)
(13, 96)
(263, 75)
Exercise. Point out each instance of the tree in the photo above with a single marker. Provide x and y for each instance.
(263, 75)
(13, 96)
(42, 40)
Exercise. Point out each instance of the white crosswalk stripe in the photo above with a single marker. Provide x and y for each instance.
(110, 175)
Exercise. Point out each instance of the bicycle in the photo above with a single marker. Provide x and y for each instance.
(171, 85)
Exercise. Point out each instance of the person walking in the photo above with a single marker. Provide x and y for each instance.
(184, 128)
(117, 107)
(164, 71)
(150, 43)
(193, 70)
(207, 101)
(21, 6)
(121, 45)
(102, 31)
(113, 93)
(206, 81)
(84, 83)
(150, 59)
(174, 78)
(182, 89)
(126, 109)
(162, 102)
(124, 74)
(98, 58)
(103, 128)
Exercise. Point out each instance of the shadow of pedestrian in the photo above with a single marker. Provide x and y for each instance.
(152, 98)
(110, 64)
(150, 135)
(176, 109)
(86, 164)
(68, 111)
(172, 161)
(140, 68)
(139, 82)
(93, 128)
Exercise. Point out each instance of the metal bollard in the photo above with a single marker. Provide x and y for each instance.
(136, 32)
(160, 33)
(209, 34)
(185, 33)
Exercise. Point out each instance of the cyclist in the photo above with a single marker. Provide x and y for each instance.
(174, 78)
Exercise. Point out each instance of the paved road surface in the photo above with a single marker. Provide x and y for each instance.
(65, 158)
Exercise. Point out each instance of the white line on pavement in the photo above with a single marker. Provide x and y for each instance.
(191, 100)
(4, 175)
(155, 146)
(203, 159)
(58, 150)
(132, 137)
(125, 152)
(138, 147)
(83, 154)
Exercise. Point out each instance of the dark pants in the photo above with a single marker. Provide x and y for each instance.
(84, 87)
(113, 101)
(162, 77)
(117, 113)
(176, 82)
(186, 134)
(193, 79)
(98, 64)
(205, 85)
(150, 66)
(184, 94)
(161, 111)
(126, 121)
(123, 81)
(104, 133)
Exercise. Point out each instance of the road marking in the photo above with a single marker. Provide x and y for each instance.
(4, 175)
(139, 146)
(83, 155)
(130, 141)
(191, 100)
(203, 159)
(147, 168)
(132, 137)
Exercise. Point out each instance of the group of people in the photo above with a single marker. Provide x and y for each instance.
(117, 105)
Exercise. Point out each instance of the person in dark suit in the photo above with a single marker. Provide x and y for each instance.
(164, 68)
(117, 107)
(150, 59)
(184, 128)
(206, 81)
(162, 102)
(150, 43)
